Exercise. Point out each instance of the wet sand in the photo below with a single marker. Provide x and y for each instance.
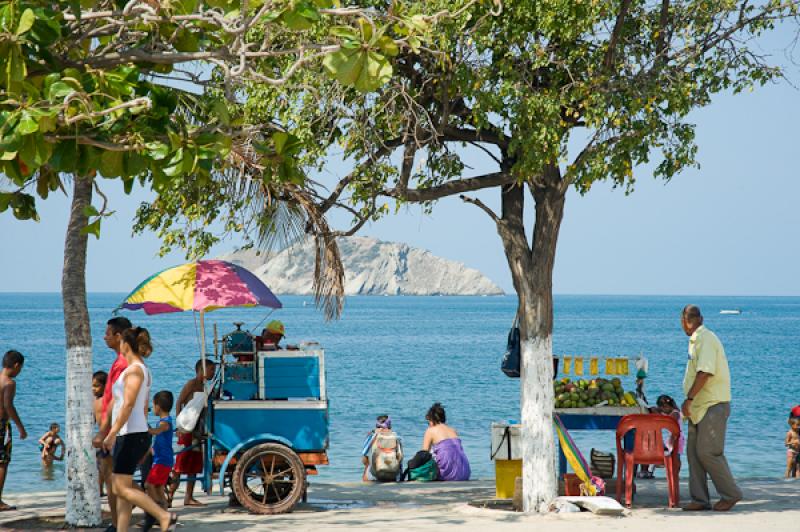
(772, 505)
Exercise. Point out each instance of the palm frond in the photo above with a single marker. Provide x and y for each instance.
(280, 215)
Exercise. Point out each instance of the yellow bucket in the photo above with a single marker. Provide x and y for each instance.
(505, 472)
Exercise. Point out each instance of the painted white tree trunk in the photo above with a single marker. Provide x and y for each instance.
(538, 443)
(83, 497)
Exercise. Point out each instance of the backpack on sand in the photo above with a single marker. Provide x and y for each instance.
(422, 467)
(386, 458)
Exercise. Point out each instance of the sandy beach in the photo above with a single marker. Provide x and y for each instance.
(443, 506)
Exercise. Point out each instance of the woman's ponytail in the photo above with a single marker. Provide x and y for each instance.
(139, 340)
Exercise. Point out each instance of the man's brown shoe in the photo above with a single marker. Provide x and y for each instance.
(695, 507)
(724, 505)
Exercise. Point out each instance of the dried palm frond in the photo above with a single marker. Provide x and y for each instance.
(281, 215)
(328, 267)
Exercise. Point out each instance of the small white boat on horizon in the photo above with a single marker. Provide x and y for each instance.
(734, 311)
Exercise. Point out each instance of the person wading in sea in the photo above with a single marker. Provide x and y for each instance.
(707, 385)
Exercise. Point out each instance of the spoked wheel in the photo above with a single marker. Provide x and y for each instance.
(269, 479)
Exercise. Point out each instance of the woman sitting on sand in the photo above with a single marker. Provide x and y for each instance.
(443, 442)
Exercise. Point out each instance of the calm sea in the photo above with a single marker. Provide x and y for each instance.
(398, 355)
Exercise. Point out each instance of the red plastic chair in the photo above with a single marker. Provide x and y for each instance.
(648, 448)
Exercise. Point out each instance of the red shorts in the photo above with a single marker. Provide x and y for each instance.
(188, 462)
(159, 475)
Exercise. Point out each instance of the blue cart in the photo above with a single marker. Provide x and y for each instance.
(266, 425)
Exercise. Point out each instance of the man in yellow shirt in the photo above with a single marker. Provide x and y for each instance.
(707, 385)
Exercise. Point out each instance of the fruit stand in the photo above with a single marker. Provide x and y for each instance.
(592, 404)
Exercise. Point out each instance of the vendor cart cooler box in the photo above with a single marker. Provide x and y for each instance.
(291, 375)
(507, 456)
(304, 423)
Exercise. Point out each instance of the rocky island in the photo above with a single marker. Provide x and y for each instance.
(372, 267)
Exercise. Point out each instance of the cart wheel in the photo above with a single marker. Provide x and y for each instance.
(269, 479)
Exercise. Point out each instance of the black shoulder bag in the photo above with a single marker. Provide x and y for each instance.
(511, 359)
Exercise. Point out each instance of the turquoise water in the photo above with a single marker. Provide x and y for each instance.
(400, 354)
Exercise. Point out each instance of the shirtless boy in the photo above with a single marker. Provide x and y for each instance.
(12, 365)
(99, 379)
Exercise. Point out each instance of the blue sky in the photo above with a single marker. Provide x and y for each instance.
(728, 228)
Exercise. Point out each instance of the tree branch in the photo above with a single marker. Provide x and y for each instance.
(331, 200)
(478, 203)
(88, 141)
(409, 152)
(450, 133)
(451, 188)
(661, 40)
(608, 61)
(143, 102)
(102, 196)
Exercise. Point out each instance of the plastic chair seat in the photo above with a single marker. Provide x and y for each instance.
(648, 449)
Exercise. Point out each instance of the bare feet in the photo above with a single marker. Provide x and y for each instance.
(6, 507)
(193, 502)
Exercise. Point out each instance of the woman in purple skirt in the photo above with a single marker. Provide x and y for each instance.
(445, 445)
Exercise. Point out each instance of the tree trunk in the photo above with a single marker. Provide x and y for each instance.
(83, 496)
(532, 274)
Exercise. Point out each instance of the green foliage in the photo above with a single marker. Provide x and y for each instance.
(537, 84)
(70, 105)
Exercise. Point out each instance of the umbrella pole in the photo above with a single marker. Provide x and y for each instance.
(203, 347)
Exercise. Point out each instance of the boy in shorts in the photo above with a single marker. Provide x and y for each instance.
(163, 458)
(12, 366)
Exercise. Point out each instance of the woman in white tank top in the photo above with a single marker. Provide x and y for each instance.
(129, 439)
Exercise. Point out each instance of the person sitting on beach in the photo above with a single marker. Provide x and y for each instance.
(12, 366)
(163, 458)
(792, 442)
(666, 406)
(382, 453)
(190, 462)
(49, 443)
(443, 442)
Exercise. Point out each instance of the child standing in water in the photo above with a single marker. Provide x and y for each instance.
(792, 442)
(49, 444)
(12, 366)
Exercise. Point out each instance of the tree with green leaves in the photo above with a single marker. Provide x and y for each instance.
(127, 90)
(558, 95)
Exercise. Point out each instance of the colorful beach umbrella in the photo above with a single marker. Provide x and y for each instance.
(200, 286)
